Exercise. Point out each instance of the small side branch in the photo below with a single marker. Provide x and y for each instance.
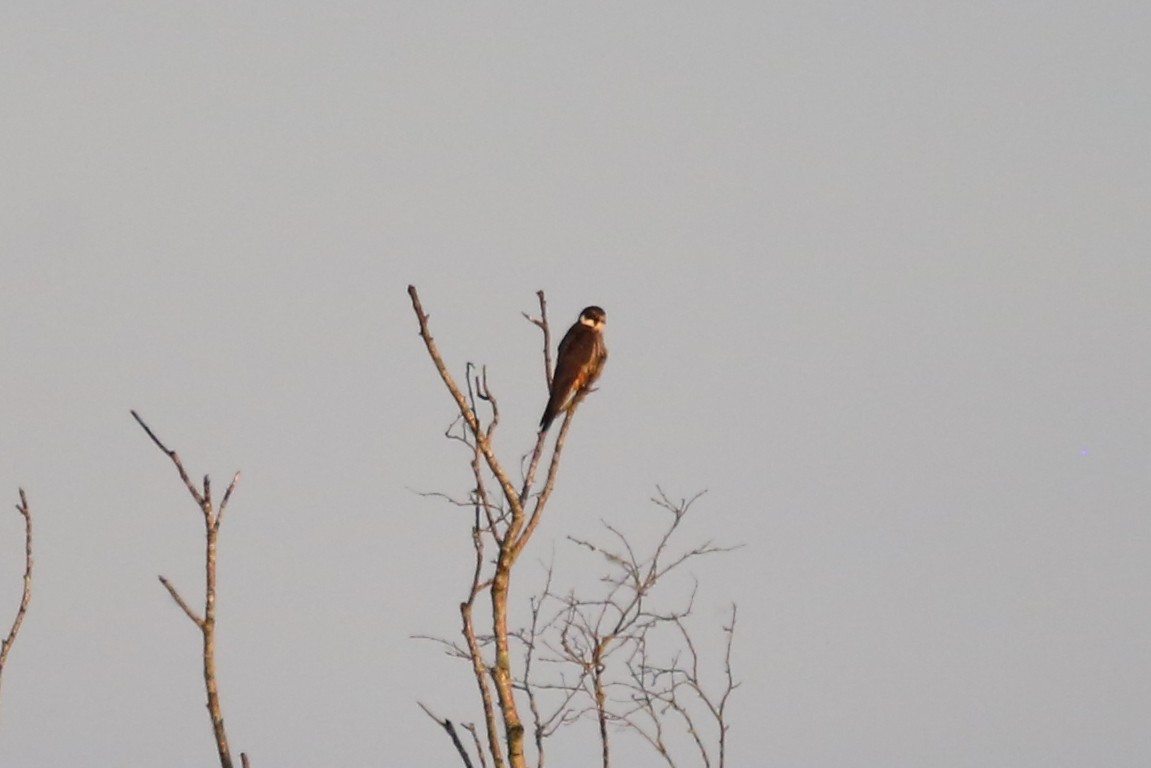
(196, 494)
(227, 497)
(542, 323)
(6, 644)
(180, 602)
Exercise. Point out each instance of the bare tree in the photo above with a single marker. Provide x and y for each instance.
(205, 621)
(504, 517)
(26, 597)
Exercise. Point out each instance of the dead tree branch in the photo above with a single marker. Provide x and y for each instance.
(507, 518)
(205, 622)
(579, 656)
(26, 597)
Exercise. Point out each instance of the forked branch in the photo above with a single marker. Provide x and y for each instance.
(466, 411)
(206, 621)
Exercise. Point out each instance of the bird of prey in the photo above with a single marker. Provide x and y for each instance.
(579, 361)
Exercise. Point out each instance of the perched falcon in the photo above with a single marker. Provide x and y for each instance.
(579, 361)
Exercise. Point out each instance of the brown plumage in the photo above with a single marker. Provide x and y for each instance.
(579, 361)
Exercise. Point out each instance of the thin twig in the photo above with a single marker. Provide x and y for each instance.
(471, 728)
(549, 483)
(180, 602)
(227, 497)
(26, 597)
(196, 494)
(542, 323)
(529, 640)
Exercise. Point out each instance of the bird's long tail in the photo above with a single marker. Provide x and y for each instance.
(555, 402)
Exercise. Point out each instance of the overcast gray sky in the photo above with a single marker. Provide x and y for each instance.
(876, 275)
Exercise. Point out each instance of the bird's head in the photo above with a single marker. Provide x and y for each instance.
(593, 317)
